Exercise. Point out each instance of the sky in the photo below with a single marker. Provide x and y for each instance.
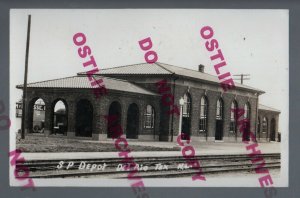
(253, 42)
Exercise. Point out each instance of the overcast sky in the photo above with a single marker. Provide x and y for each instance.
(253, 42)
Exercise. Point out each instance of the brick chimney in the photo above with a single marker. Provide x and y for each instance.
(201, 68)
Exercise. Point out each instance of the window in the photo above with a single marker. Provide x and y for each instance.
(149, 117)
(18, 113)
(203, 114)
(219, 114)
(187, 106)
(233, 117)
(265, 125)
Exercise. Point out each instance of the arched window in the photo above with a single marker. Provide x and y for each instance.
(219, 114)
(60, 117)
(203, 114)
(149, 117)
(265, 125)
(233, 117)
(187, 106)
(247, 111)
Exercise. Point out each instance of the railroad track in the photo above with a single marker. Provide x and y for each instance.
(210, 164)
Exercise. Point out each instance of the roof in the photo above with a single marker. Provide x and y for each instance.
(158, 68)
(266, 108)
(84, 83)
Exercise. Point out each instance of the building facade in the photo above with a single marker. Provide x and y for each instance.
(267, 123)
(144, 107)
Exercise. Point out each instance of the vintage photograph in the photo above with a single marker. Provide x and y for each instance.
(149, 97)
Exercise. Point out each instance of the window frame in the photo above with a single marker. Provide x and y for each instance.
(203, 117)
(233, 117)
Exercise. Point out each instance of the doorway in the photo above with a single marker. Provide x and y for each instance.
(132, 122)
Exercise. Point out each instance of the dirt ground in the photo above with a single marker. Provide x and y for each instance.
(60, 144)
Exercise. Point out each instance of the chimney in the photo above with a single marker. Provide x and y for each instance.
(201, 68)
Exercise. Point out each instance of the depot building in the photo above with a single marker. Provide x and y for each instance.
(72, 110)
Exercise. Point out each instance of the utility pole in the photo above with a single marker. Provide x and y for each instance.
(242, 77)
(25, 80)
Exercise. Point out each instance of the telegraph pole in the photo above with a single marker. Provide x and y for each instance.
(242, 77)
(25, 80)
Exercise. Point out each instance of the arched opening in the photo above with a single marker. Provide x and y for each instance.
(36, 112)
(219, 119)
(132, 122)
(186, 117)
(115, 113)
(265, 126)
(84, 118)
(246, 123)
(233, 118)
(273, 130)
(60, 117)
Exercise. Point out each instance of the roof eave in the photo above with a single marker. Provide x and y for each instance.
(217, 83)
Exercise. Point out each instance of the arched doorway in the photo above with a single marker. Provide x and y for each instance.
(273, 130)
(132, 122)
(219, 120)
(186, 117)
(84, 118)
(233, 118)
(60, 117)
(246, 124)
(114, 112)
(265, 127)
(36, 114)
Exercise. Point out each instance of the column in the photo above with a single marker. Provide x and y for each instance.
(71, 119)
(48, 119)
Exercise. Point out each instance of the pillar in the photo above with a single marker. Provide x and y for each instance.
(71, 118)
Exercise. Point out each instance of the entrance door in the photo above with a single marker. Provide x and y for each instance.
(246, 131)
(273, 131)
(132, 122)
(185, 128)
(219, 120)
(84, 118)
(246, 124)
(219, 130)
(186, 117)
(115, 112)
